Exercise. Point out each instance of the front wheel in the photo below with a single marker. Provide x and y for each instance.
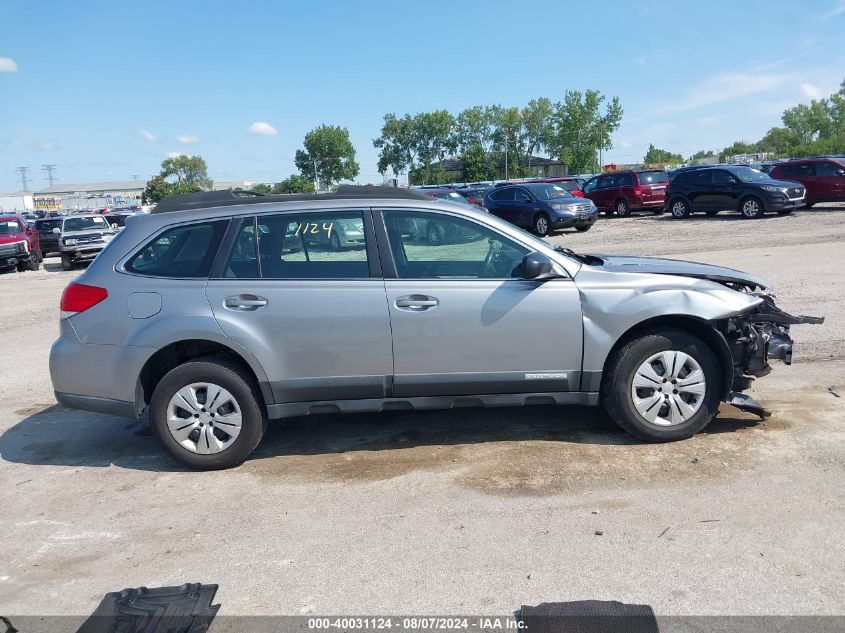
(67, 263)
(542, 226)
(751, 208)
(208, 414)
(662, 386)
(583, 229)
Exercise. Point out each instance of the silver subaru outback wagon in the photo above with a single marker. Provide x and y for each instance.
(218, 312)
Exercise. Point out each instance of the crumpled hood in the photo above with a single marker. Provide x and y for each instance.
(653, 265)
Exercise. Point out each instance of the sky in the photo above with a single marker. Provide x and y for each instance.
(105, 90)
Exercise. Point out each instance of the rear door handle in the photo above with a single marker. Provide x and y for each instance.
(246, 303)
(416, 303)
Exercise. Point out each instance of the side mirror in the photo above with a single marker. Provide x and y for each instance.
(537, 266)
(57, 231)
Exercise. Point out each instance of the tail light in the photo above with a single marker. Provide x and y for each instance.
(577, 193)
(638, 191)
(78, 298)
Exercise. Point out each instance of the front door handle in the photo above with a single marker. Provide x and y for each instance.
(416, 303)
(244, 302)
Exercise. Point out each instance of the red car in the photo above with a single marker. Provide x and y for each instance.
(823, 178)
(19, 244)
(570, 184)
(621, 192)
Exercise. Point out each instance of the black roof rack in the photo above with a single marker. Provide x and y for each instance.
(232, 197)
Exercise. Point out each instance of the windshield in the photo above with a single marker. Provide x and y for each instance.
(86, 223)
(547, 192)
(9, 227)
(747, 174)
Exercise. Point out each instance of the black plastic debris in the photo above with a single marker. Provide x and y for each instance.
(744, 402)
(183, 609)
(832, 389)
(589, 616)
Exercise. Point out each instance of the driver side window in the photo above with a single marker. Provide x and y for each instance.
(438, 246)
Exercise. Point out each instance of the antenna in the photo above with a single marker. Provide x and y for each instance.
(49, 169)
(22, 177)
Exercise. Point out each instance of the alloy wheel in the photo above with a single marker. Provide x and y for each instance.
(542, 225)
(750, 209)
(204, 418)
(668, 388)
(679, 209)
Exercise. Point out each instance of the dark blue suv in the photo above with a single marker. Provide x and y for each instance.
(541, 207)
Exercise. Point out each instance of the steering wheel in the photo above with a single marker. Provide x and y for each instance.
(489, 265)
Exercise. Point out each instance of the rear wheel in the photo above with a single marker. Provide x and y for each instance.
(583, 229)
(662, 386)
(67, 264)
(542, 226)
(680, 209)
(622, 209)
(751, 208)
(208, 414)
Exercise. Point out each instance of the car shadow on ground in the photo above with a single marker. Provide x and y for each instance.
(54, 436)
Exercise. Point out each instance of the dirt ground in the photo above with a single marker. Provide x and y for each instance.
(457, 512)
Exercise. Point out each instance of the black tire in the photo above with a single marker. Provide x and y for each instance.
(583, 229)
(809, 205)
(542, 225)
(659, 211)
(784, 211)
(679, 208)
(237, 382)
(751, 208)
(616, 390)
(67, 264)
(434, 234)
(712, 213)
(621, 208)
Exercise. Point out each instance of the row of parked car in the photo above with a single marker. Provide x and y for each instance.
(547, 204)
(26, 239)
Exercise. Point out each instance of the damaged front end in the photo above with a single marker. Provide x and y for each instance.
(755, 337)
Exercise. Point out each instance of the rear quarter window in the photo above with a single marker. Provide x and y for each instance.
(182, 251)
(653, 177)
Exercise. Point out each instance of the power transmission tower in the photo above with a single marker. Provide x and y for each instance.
(22, 177)
(134, 176)
(49, 169)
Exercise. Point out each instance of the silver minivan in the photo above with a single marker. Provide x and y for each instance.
(218, 312)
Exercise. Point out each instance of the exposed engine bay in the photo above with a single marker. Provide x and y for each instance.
(755, 338)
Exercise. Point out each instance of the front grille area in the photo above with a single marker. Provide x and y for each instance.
(795, 192)
(17, 248)
(580, 208)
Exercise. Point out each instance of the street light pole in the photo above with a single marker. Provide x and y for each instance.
(506, 157)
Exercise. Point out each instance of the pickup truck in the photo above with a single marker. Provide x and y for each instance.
(82, 237)
(19, 244)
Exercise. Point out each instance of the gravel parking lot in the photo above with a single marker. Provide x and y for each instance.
(458, 512)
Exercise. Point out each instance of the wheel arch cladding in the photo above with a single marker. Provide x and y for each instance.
(685, 323)
(179, 352)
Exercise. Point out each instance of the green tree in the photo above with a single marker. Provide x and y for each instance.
(655, 155)
(702, 153)
(189, 172)
(536, 124)
(179, 174)
(294, 184)
(580, 127)
(434, 138)
(779, 140)
(413, 144)
(156, 189)
(739, 147)
(809, 122)
(473, 128)
(328, 157)
(398, 149)
(262, 188)
(476, 164)
(510, 140)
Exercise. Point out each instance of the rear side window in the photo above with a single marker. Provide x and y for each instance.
(503, 195)
(624, 180)
(799, 170)
(47, 225)
(330, 245)
(183, 251)
(652, 177)
(698, 177)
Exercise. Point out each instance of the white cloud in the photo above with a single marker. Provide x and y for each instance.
(722, 88)
(152, 138)
(41, 146)
(262, 129)
(838, 9)
(188, 139)
(8, 65)
(811, 91)
(175, 154)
